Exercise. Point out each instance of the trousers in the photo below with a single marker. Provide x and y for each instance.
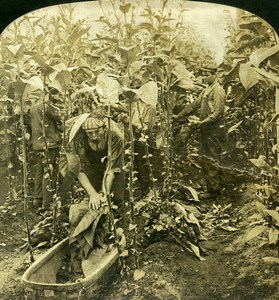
(46, 173)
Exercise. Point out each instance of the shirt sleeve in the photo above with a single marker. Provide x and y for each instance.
(219, 96)
(191, 107)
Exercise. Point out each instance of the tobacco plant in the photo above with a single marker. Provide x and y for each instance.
(156, 48)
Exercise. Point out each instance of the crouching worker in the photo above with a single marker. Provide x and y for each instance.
(90, 142)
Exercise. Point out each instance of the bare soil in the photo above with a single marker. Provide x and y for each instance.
(232, 269)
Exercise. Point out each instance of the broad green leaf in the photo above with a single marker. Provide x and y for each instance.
(229, 228)
(108, 88)
(102, 20)
(256, 41)
(56, 84)
(261, 163)
(248, 76)
(125, 8)
(124, 253)
(147, 26)
(19, 86)
(135, 67)
(78, 122)
(76, 35)
(46, 69)
(35, 82)
(39, 39)
(234, 127)
(251, 24)
(64, 78)
(260, 207)
(106, 38)
(269, 75)
(85, 222)
(259, 55)
(60, 67)
(255, 232)
(193, 192)
(132, 226)
(273, 235)
(16, 50)
(180, 70)
(190, 218)
(274, 260)
(274, 214)
(188, 84)
(138, 274)
(195, 250)
(66, 22)
(148, 93)
(128, 53)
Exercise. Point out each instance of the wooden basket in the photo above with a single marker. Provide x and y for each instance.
(39, 279)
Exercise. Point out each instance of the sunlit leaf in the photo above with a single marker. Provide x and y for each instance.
(78, 122)
(42, 244)
(248, 76)
(148, 93)
(138, 274)
(76, 35)
(16, 50)
(188, 84)
(234, 127)
(261, 208)
(229, 228)
(85, 222)
(255, 232)
(262, 164)
(274, 260)
(274, 214)
(125, 8)
(36, 82)
(256, 41)
(193, 192)
(180, 70)
(195, 250)
(261, 54)
(46, 69)
(128, 53)
(132, 226)
(108, 88)
(64, 78)
(273, 235)
(124, 253)
(269, 75)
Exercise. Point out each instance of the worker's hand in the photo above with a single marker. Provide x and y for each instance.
(94, 201)
(194, 122)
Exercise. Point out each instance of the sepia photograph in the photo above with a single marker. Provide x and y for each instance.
(139, 152)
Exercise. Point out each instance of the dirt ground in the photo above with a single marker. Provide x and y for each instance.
(232, 269)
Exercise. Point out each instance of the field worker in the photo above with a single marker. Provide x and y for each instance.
(143, 120)
(91, 146)
(211, 103)
(46, 128)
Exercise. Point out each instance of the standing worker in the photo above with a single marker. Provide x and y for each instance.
(46, 128)
(211, 103)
